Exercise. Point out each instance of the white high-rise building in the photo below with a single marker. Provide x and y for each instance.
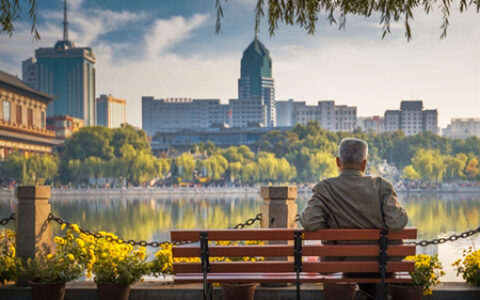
(411, 118)
(330, 116)
(462, 128)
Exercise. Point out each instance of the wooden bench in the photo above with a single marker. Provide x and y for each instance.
(383, 258)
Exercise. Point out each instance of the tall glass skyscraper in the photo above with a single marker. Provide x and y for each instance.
(69, 73)
(256, 78)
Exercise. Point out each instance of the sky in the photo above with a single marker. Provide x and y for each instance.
(166, 48)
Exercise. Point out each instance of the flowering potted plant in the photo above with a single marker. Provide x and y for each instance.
(427, 273)
(469, 267)
(162, 264)
(49, 273)
(9, 263)
(115, 266)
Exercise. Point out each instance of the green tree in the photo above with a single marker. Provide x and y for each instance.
(410, 173)
(127, 134)
(14, 167)
(454, 166)
(245, 152)
(471, 168)
(267, 166)
(235, 169)
(32, 170)
(323, 165)
(250, 173)
(89, 141)
(429, 164)
(94, 166)
(163, 167)
(41, 169)
(186, 166)
(285, 172)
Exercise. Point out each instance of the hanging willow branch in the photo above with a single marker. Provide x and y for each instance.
(305, 13)
(11, 11)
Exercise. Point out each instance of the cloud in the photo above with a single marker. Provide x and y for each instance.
(353, 67)
(167, 33)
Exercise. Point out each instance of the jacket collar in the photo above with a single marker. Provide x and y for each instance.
(351, 172)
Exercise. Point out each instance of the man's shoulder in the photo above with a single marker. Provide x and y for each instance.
(324, 183)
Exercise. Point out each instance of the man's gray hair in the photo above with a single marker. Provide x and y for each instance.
(352, 151)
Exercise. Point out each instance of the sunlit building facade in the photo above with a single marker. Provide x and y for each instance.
(111, 112)
(328, 115)
(23, 118)
(64, 126)
(411, 118)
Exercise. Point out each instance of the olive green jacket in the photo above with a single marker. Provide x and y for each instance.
(353, 200)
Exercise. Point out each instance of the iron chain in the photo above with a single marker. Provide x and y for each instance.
(5, 221)
(118, 240)
(249, 222)
(451, 238)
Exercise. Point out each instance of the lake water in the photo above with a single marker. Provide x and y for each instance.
(151, 218)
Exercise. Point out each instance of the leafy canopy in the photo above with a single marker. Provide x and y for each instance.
(305, 13)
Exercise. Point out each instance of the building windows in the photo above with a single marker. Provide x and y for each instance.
(6, 111)
(18, 118)
(30, 117)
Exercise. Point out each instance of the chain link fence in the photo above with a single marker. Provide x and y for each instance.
(5, 221)
(248, 222)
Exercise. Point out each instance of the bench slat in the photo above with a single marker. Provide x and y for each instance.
(357, 234)
(356, 266)
(287, 250)
(287, 266)
(274, 234)
(284, 277)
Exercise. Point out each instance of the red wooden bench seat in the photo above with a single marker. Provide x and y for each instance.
(371, 245)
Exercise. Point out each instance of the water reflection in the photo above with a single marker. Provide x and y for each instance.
(435, 215)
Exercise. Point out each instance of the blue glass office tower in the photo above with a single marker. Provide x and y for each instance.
(256, 78)
(69, 73)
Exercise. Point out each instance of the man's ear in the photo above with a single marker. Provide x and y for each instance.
(338, 162)
(364, 165)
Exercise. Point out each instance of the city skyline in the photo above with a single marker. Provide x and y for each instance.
(162, 50)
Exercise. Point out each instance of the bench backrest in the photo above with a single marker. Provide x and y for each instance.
(362, 247)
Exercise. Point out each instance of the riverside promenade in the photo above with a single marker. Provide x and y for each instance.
(156, 290)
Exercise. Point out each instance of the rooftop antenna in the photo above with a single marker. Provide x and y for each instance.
(65, 22)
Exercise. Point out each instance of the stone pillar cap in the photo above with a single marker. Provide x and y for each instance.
(33, 192)
(278, 192)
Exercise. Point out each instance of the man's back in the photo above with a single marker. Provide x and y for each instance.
(352, 200)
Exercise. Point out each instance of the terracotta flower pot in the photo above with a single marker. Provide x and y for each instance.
(109, 290)
(405, 292)
(339, 291)
(48, 291)
(238, 291)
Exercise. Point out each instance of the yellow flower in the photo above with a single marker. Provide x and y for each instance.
(62, 227)
(70, 257)
(80, 242)
(75, 228)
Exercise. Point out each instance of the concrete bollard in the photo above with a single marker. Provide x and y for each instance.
(33, 231)
(279, 209)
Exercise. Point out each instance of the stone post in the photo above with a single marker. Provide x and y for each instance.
(33, 231)
(279, 209)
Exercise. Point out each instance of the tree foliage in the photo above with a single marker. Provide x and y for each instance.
(12, 10)
(31, 170)
(305, 13)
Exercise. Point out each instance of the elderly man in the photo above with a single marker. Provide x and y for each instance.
(353, 200)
